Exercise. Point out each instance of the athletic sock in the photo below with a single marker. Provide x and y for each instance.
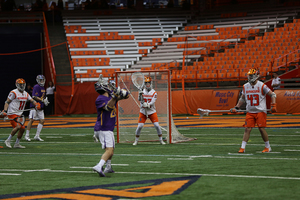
(160, 138)
(9, 137)
(137, 139)
(243, 145)
(27, 133)
(38, 130)
(108, 164)
(17, 141)
(101, 163)
(267, 144)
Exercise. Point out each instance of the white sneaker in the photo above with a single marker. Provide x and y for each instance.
(110, 170)
(38, 139)
(99, 171)
(162, 142)
(19, 146)
(27, 138)
(95, 138)
(135, 143)
(7, 143)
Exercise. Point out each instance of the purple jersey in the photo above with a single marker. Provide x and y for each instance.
(105, 119)
(38, 91)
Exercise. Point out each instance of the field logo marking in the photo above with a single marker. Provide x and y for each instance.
(154, 188)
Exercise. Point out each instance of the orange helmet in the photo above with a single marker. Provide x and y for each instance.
(20, 84)
(253, 75)
(148, 80)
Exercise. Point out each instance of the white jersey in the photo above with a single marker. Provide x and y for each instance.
(149, 97)
(18, 102)
(255, 97)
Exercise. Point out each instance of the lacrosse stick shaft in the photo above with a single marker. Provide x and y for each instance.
(17, 112)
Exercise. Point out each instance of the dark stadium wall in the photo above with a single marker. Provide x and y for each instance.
(28, 65)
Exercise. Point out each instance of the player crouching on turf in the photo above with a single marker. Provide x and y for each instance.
(13, 109)
(106, 119)
(254, 95)
(148, 97)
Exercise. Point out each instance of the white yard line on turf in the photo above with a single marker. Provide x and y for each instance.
(77, 135)
(291, 150)
(53, 137)
(9, 174)
(146, 155)
(239, 135)
(179, 158)
(149, 161)
(171, 174)
(75, 167)
(240, 154)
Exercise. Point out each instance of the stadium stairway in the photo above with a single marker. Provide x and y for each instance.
(60, 54)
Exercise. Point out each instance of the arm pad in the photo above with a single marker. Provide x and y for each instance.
(273, 95)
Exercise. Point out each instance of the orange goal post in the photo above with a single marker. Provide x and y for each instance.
(128, 110)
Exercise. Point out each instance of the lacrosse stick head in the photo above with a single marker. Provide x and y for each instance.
(102, 85)
(203, 112)
(137, 79)
(20, 119)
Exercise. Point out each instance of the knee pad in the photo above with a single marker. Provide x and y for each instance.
(139, 128)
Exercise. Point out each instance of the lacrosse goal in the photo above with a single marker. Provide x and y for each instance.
(128, 110)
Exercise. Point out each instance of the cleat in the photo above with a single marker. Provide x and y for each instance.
(7, 143)
(242, 150)
(162, 142)
(267, 150)
(96, 169)
(19, 146)
(38, 139)
(135, 143)
(95, 138)
(108, 171)
(27, 138)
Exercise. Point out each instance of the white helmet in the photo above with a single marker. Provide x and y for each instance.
(40, 79)
(253, 75)
(20, 84)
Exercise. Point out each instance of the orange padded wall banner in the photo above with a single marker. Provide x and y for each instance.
(288, 101)
(223, 99)
(196, 99)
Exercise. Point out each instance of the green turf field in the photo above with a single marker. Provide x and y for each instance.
(207, 168)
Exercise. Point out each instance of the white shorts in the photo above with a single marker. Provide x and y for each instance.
(106, 138)
(36, 114)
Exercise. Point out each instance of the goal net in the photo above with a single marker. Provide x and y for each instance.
(128, 110)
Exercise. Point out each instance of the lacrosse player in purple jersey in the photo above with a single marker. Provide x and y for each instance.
(38, 94)
(105, 124)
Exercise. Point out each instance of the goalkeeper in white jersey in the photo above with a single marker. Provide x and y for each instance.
(148, 97)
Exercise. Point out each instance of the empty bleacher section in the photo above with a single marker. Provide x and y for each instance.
(228, 47)
(117, 42)
(209, 47)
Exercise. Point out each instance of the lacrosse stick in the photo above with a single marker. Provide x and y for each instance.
(206, 112)
(107, 85)
(138, 80)
(20, 119)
